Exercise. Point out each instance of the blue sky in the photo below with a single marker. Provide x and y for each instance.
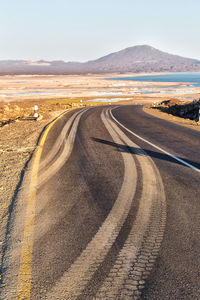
(80, 30)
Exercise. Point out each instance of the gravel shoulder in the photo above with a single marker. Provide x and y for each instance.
(177, 120)
(18, 141)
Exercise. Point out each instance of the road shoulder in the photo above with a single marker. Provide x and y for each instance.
(170, 118)
(17, 145)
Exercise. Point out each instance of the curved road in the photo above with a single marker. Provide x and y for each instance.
(108, 209)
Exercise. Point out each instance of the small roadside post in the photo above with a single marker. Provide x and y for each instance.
(81, 102)
(36, 112)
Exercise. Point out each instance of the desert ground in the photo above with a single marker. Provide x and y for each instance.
(88, 88)
(19, 132)
(19, 94)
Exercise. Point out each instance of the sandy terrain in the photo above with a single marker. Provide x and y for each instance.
(88, 87)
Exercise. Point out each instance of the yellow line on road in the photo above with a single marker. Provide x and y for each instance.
(25, 268)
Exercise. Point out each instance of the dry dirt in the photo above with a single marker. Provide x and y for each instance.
(23, 111)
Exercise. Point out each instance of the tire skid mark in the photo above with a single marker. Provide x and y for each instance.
(18, 259)
(73, 282)
(57, 145)
(66, 152)
(25, 270)
(103, 271)
(135, 260)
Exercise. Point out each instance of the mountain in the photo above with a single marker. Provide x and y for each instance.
(135, 59)
(143, 59)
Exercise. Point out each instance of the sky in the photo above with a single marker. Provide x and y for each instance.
(82, 30)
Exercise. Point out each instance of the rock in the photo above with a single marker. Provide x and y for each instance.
(180, 109)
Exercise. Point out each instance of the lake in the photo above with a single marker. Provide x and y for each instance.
(193, 78)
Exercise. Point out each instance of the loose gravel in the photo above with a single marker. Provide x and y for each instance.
(17, 142)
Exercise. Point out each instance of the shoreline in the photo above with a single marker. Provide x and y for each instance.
(19, 88)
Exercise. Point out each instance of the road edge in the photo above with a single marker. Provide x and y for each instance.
(173, 119)
(28, 164)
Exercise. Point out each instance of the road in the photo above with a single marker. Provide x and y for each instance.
(108, 209)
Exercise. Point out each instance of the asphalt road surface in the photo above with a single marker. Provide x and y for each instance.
(109, 208)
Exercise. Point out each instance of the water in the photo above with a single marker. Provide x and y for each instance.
(193, 78)
(113, 94)
(31, 93)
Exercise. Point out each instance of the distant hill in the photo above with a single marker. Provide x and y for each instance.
(135, 59)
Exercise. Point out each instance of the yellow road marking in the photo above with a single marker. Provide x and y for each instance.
(25, 268)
